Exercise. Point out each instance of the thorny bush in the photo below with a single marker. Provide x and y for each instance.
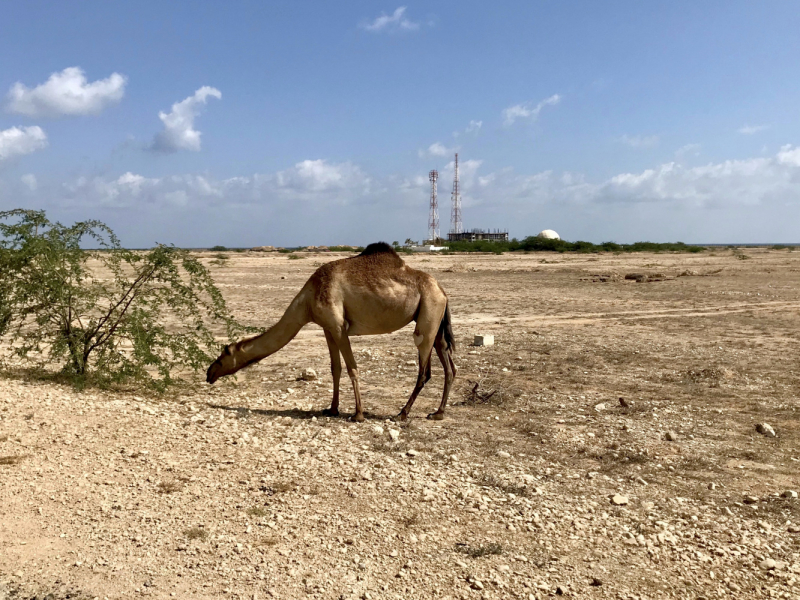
(112, 314)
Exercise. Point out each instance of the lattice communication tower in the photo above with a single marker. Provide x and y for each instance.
(433, 219)
(455, 214)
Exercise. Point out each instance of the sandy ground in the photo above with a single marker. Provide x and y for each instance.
(550, 487)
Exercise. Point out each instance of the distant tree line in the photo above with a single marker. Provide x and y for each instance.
(533, 243)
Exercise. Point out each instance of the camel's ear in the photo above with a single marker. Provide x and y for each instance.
(226, 350)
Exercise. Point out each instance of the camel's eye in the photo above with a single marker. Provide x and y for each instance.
(227, 351)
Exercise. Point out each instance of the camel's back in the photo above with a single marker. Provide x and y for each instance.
(376, 270)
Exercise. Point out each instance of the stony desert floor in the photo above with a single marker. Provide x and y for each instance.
(604, 447)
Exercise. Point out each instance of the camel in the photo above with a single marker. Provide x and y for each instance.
(369, 294)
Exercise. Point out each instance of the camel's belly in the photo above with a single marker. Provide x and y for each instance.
(370, 328)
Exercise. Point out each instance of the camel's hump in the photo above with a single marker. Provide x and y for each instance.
(378, 248)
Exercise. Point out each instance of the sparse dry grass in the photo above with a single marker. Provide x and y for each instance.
(258, 511)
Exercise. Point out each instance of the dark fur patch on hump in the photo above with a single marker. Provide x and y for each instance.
(378, 248)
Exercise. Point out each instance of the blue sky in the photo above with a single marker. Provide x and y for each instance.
(289, 123)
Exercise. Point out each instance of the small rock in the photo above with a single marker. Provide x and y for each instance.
(789, 494)
(378, 429)
(412, 452)
(503, 454)
(619, 500)
(767, 565)
(712, 486)
(476, 585)
(595, 581)
(765, 429)
(624, 404)
(641, 481)
(308, 375)
(394, 435)
(793, 529)
(394, 553)
(600, 407)
(750, 499)
(671, 436)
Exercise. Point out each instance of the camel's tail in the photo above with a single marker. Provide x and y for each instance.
(446, 329)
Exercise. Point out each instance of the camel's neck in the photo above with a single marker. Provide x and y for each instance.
(276, 337)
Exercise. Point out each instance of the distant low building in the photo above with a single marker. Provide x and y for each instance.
(478, 235)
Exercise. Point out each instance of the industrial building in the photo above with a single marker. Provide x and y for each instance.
(457, 233)
(478, 235)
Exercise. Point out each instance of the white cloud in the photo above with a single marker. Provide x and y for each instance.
(526, 111)
(436, 149)
(21, 140)
(309, 180)
(639, 141)
(688, 150)
(726, 184)
(751, 129)
(474, 126)
(322, 176)
(397, 21)
(67, 93)
(179, 132)
(30, 181)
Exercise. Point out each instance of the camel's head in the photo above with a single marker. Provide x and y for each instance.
(224, 365)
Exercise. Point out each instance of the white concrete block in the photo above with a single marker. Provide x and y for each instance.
(483, 340)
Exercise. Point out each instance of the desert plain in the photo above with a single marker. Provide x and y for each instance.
(606, 446)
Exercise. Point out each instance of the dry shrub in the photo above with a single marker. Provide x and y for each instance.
(196, 533)
(621, 459)
(490, 389)
(283, 487)
(409, 520)
(257, 511)
(490, 549)
(460, 268)
(711, 376)
(489, 480)
(168, 487)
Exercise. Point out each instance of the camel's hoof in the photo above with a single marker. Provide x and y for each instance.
(400, 417)
(329, 412)
(357, 418)
(436, 416)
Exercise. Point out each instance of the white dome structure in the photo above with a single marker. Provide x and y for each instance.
(548, 234)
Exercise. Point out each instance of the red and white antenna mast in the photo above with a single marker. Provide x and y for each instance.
(455, 215)
(433, 219)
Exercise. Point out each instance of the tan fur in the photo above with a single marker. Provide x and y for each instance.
(372, 293)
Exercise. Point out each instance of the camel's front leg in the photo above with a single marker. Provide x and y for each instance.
(352, 370)
(336, 372)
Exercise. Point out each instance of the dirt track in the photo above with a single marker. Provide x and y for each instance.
(244, 490)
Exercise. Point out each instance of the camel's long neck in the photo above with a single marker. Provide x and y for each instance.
(274, 338)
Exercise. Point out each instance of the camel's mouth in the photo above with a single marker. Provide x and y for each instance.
(213, 372)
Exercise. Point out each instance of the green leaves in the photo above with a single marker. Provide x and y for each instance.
(110, 314)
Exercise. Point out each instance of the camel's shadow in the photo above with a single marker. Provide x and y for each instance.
(293, 413)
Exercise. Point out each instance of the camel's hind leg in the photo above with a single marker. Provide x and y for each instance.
(446, 356)
(336, 371)
(424, 337)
